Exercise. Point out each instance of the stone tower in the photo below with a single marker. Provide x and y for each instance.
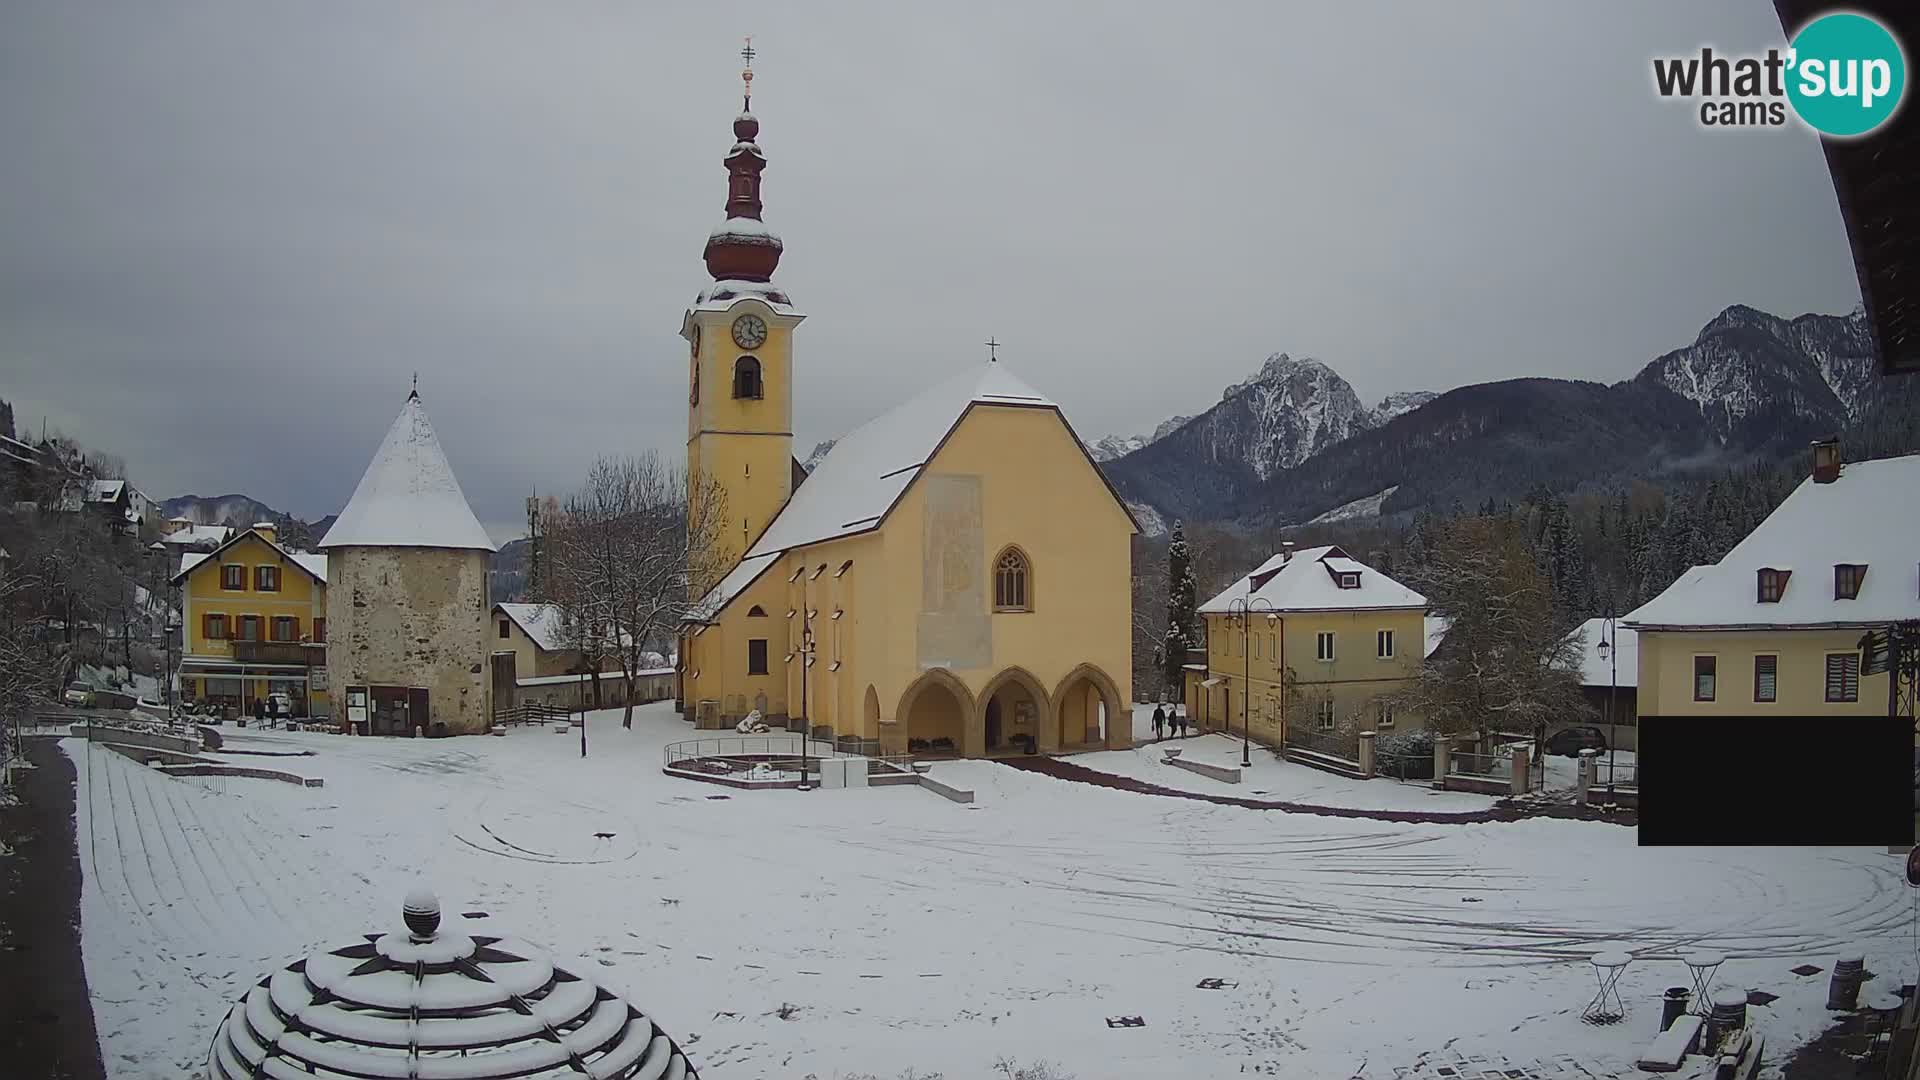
(407, 596)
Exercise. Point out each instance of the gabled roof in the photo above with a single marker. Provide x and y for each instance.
(1304, 583)
(544, 624)
(107, 490)
(1621, 668)
(313, 563)
(408, 496)
(1868, 516)
(196, 535)
(866, 473)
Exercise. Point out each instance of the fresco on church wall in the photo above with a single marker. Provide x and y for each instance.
(954, 629)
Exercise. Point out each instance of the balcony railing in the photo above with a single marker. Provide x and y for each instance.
(277, 652)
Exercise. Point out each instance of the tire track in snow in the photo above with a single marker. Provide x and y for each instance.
(151, 820)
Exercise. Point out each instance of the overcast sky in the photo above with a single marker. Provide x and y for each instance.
(230, 232)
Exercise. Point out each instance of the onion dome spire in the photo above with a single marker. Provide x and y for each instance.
(742, 248)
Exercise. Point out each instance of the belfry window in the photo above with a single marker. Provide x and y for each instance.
(1012, 585)
(746, 378)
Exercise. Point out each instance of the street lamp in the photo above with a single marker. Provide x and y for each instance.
(806, 671)
(171, 628)
(1610, 652)
(582, 668)
(1240, 613)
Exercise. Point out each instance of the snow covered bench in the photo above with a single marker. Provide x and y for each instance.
(1664, 1054)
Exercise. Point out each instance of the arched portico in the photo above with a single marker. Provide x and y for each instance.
(938, 707)
(1013, 704)
(1078, 702)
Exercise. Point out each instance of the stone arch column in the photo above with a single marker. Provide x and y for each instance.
(972, 734)
(1119, 728)
(1048, 733)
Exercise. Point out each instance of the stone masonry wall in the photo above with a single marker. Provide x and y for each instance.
(416, 617)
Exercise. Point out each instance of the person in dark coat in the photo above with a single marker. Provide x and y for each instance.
(1159, 722)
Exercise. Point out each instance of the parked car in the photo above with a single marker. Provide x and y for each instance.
(1568, 742)
(78, 697)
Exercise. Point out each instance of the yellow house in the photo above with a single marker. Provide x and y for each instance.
(1310, 648)
(1774, 628)
(954, 577)
(534, 662)
(254, 618)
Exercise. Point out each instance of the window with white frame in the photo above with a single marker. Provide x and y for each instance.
(1323, 645)
(1385, 719)
(1323, 714)
(1383, 644)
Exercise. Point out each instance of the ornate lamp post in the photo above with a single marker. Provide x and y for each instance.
(1240, 613)
(1609, 650)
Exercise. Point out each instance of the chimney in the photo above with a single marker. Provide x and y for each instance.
(1826, 460)
(266, 529)
(1286, 551)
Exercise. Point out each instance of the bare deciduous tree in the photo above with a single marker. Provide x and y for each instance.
(625, 557)
(1505, 664)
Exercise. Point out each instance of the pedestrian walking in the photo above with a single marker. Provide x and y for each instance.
(1179, 723)
(1159, 723)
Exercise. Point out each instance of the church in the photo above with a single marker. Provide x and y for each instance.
(954, 578)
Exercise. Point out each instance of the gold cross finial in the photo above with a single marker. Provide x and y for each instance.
(993, 351)
(746, 73)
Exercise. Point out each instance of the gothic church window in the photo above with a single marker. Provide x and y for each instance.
(1012, 585)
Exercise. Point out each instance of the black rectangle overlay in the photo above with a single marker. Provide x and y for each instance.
(1776, 781)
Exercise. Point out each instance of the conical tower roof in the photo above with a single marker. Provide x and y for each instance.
(408, 497)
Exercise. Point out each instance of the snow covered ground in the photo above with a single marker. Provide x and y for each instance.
(910, 932)
(1272, 778)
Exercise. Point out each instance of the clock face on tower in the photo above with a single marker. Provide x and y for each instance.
(749, 332)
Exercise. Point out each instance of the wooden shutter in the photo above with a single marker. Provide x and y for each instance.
(1843, 677)
(1766, 678)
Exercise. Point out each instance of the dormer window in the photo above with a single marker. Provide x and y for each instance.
(1349, 581)
(1773, 585)
(1847, 578)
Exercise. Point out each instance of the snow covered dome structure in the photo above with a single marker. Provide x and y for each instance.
(430, 1004)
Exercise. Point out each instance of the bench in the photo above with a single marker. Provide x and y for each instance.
(1664, 1053)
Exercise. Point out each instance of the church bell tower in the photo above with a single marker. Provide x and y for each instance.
(740, 353)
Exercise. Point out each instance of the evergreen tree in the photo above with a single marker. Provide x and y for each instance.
(1182, 621)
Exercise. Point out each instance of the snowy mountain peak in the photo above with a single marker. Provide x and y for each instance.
(1400, 404)
(1748, 370)
(1281, 368)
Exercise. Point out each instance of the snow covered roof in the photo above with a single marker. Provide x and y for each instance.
(852, 488)
(197, 535)
(408, 496)
(315, 564)
(723, 294)
(406, 1001)
(746, 230)
(1436, 628)
(1303, 584)
(1621, 668)
(1860, 518)
(545, 624)
(107, 490)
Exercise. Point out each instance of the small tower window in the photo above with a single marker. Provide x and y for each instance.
(1011, 585)
(756, 612)
(746, 378)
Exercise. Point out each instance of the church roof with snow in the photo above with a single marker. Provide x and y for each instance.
(852, 489)
(408, 496)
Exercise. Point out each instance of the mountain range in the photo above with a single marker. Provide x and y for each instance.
(1293, 445)
(237, 510)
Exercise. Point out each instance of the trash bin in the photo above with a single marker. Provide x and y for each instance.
(1674, 1005)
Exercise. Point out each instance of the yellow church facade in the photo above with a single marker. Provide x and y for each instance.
(953, 578)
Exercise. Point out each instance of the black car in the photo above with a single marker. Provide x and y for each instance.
(1569, 742)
